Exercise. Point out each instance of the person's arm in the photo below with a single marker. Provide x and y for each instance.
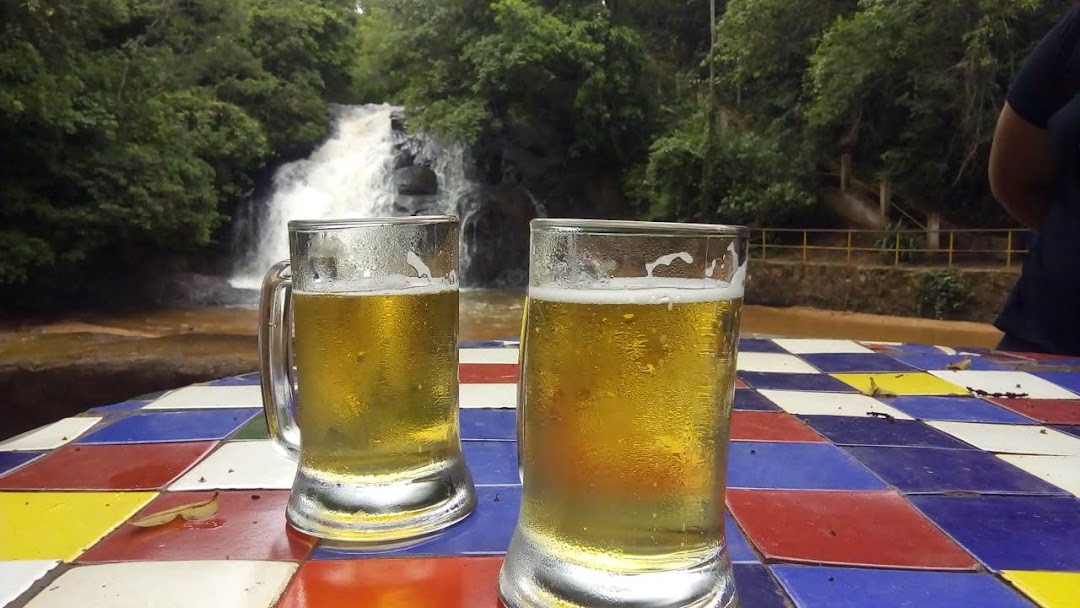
(1024, 161)
(1023, 168)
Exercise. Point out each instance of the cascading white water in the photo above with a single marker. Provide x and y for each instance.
(349, 176)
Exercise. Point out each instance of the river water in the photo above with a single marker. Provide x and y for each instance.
(491, 314)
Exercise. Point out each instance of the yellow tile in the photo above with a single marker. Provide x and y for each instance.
(1049, 589)
(61, 525)
(902, 384)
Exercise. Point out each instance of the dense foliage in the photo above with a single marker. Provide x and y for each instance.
(134, 125)
(130, 125)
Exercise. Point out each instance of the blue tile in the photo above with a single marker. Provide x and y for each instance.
(122, 407)
(1066, 380)
(824, 587)
(492, 462)
(940, 361)
(159, 427)
(934, 471)
(739, 550)
(751, 400)
(487, 531)
(757, 588)
(9, 461)
(245, 380)
(796, 466)
(753, 345)
(1011, 532)
(1071, 430)
(849, 430)
(956, 409)
(796, 382)
(836, 363)
(495, 425)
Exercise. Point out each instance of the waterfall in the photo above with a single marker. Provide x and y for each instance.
(350, 175)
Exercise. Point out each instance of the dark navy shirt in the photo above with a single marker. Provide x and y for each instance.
(1044, 307)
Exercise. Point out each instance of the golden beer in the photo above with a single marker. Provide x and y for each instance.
(626, 410)
(377, 378)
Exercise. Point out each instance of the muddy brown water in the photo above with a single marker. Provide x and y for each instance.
(61, 367)
(496, 314)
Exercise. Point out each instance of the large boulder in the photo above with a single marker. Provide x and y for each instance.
(416, 180)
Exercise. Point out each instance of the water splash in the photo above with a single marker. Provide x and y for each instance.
(350, 175)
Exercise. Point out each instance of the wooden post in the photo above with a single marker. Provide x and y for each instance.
(886, 199)
(1008, 254)
(898, 234)
(845, 172)
(933, 230)
(764, 244)
(952, 245)
(849, 246)
(805, 236)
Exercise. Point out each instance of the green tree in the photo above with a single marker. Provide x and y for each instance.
(912, 88)
(134, 124)
(755, 180)
(468, 68)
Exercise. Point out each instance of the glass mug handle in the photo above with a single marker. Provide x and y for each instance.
(275, 359)
(521, 390)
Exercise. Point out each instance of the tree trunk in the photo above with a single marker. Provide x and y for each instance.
(708, 206)
(886, 198)
(933, 230)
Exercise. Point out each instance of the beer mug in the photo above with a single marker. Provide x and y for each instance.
(628, 371)
(368, 312)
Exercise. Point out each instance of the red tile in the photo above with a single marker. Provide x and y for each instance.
(488, 373)
(740, 384)
(771, 426)
(108, 467)
(847, 528)
(455, 582)
(1047, 411)
(245, 527)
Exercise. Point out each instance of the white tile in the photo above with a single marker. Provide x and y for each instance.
(1062, 471)
(1012, 438)
(774, 362)
(475, 396)
(204, 397)
(867, 343)
(51, 436)
(831, 404)
(16, 577)
(207, 584)
(489, 355)
(1005, 382)
(948, 350)
(254, 465)
(804, 346)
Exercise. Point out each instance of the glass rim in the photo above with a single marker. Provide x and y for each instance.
(673, 229)
(370, 222)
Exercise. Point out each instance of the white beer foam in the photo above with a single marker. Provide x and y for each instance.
(384, 286)
(642, 290)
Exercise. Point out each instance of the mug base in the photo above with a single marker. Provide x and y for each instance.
(378, 513)
(533, 578)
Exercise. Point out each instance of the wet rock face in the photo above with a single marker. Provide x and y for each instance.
(192, 290)
(416, 180)
(497, 237)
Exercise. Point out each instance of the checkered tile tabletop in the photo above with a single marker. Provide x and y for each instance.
(942, 496)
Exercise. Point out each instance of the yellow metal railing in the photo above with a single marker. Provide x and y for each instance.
(981, 247)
